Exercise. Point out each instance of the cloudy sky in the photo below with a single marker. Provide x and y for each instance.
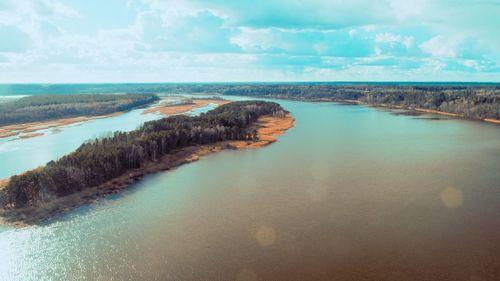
(62, 41)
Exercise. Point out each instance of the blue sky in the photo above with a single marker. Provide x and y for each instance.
(65, 41)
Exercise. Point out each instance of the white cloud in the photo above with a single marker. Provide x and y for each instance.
(393, 39)
(388, 43)
(264, 39)
(293, 14)
(442, 46)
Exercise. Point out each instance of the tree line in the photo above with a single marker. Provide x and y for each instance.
(103, 159)
(49, 107)
(471, 100)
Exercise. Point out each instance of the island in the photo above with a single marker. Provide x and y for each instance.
(33, 113)
(107, 165)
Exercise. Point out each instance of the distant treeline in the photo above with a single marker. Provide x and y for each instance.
(476, 101)
(470, 102)
(49, 107)
(101, 160)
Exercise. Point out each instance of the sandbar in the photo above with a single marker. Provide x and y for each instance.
(17, 129)
(173, 109)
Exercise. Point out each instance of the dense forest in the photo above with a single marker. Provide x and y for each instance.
(101, 160)
(49, 107)
(475, 101)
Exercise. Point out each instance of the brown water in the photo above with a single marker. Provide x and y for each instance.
(349, 193)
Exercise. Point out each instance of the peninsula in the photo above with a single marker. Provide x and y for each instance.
(108, 165)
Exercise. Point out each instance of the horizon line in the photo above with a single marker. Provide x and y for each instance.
(254, 82)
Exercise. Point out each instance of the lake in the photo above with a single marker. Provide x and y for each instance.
(349, 193)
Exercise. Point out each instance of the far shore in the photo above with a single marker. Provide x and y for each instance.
(443, 113)
(431, 111)
(393, 106)
(267, 127)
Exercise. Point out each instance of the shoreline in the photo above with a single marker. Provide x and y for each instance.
(436, 112)
(268, 128)
(175, 109)
(34, 127)
(423, 110)
(416, 109)
(491, 120)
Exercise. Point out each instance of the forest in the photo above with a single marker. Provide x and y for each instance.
(470, 100)
(49, 107)
(103, 159)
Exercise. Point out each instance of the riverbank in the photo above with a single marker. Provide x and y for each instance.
(32, 129)
(431, 111)
(422, 110)
(173, 109)
(267, 127)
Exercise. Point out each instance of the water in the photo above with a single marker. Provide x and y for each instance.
(26, 154)
(349, 193)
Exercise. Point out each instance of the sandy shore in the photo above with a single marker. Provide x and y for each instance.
(436, 112)
(454, 115)
(268, 128)
(17, 129)
(4, 182)
(496, 121)
(392, 106)
(184, 108)
(28, 136)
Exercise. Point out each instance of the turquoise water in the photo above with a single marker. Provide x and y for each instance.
(19, 155)
(349, 193)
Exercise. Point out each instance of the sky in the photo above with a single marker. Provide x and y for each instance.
(70, 41)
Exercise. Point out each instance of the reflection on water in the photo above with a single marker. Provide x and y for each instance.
(349, 193)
